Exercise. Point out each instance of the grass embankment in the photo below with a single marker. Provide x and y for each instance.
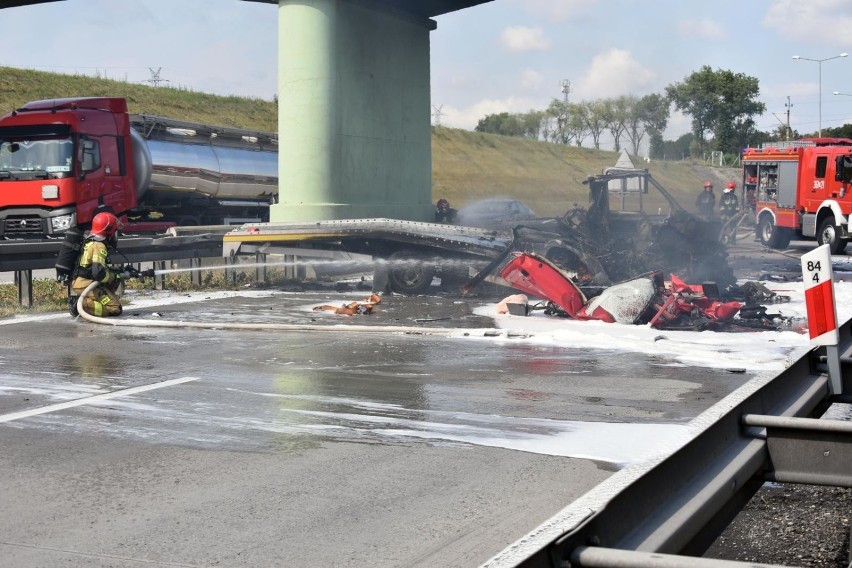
(466, 166)
(19, 86)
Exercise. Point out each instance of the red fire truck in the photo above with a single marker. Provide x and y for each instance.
(800, 189)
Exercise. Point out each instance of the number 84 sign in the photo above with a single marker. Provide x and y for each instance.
(819, 296)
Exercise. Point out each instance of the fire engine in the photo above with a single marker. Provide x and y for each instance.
(800, 189)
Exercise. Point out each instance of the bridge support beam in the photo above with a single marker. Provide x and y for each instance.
(353, 112)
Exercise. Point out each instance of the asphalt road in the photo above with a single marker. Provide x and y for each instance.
(243, 448)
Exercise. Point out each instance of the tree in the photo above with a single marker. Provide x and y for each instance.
(577, 120)
(673, 149)
(525, 125)
(616, 115)
(557, 113)
(532, 123)
(720, 102)
(649, 115)
(844, 131)
(502, 123)
(594, 119)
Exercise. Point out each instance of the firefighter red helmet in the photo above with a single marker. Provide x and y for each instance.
(443, 204)
(105, 225)
(731, 185)
(708, 184)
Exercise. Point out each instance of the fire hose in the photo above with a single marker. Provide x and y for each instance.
(271, 326)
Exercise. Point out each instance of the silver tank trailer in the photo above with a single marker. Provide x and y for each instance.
(226, 164)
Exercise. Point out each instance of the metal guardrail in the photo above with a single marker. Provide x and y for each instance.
(677, 509)
(38, 255)
(22, 257)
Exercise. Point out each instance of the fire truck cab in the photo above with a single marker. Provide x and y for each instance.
(800, 189)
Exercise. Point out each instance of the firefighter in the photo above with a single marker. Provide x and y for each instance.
(444, 213)
(706, 200)
(729, 206)
(93, 265)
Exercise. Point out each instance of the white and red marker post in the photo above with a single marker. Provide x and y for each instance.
(822, 311)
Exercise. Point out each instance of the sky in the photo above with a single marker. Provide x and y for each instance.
(502, 56)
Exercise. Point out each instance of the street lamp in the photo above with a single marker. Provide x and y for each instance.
(819, 61)
(844, 94)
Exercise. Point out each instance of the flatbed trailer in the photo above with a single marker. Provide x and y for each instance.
(409, 253)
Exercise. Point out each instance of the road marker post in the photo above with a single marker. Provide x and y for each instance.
(822, 311)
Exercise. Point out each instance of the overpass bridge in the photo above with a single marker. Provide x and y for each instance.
(353, 107)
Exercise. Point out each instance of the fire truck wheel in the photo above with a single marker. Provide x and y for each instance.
(770, 235)
(409, 274)
(828, 235)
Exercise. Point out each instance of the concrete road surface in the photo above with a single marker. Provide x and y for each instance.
(246, 448)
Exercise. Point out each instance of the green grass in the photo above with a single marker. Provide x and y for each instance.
(469, 166)
(19, 86)
(51, 296)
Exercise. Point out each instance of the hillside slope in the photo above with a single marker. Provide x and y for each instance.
(466, 166)
(469, 166)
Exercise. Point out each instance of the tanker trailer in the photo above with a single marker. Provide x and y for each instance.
(196, 174)
(63, 159)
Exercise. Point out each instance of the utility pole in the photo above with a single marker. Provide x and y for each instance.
(563, 118)
(155, 79)
(789, 105)
(437, 114)
(566, 89)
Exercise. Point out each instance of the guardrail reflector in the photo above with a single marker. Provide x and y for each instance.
(819, 296)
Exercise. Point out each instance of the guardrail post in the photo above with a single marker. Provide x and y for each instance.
(822, 312)
(260, 268)
(230, 271)
(195, 275)
(159, 279)
(24, 282)
(289, 267)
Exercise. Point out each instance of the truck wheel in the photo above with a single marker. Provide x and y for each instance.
(772, 236)
(828, 235)
(189, 221)
(409, 274)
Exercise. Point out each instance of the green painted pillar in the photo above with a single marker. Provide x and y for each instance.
(353, 112)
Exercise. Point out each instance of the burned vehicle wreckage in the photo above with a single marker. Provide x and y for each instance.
(667, 270)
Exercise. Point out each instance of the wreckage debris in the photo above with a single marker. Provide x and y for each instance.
(648, 299)
(365, 307)
(597, 246)
(516, 304)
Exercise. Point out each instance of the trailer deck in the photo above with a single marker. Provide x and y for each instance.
(409, 253)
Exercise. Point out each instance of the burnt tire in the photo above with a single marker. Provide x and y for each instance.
(772, 236)
(409, 274)
(828, 234)
(189, 221)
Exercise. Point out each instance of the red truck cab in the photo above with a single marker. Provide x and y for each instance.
(60, 160)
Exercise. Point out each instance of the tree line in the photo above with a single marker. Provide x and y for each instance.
(722, 105)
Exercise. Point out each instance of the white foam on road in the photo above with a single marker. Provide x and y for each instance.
(755, 351)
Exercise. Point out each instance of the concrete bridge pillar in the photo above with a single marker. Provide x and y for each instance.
(353, 112)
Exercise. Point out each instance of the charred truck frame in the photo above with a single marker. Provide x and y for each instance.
(595, 245)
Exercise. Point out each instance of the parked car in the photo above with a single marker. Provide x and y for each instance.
(499, 212)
